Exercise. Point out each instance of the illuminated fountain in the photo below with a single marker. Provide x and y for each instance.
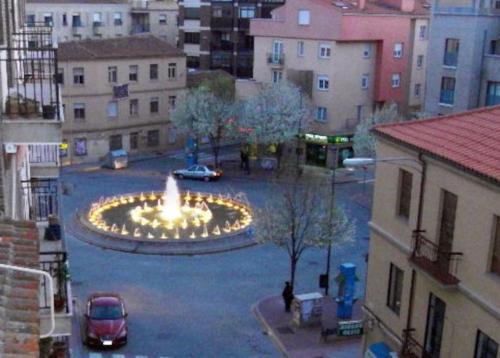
(169, 215)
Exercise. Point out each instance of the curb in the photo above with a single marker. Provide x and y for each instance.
(269, 331)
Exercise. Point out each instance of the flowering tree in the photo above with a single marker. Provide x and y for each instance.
(364, 142)
(299, 217)
(208, 111)
(275, 115)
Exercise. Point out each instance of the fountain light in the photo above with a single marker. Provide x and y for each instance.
(152, 196)
(184, 224)
(236, 225)
(216, 230)
(187, 197)
(163, 236)
(114, 228)
(142, 197)
(137, 233)
(193, 235)
(227, 227)
(205, 231)
(199, 197)
(196, 222)
(176, 236)
(155, 223)
(210, 199)
(150, 236)
(124, 230)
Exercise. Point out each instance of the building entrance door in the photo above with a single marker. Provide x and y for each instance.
(434, 328)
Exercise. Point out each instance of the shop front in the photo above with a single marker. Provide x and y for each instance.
(327, 151)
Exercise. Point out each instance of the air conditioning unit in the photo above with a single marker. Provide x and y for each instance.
(10, 148)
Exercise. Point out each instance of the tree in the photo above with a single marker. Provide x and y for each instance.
(275, 115)
(299, 217)
(364, 142)
(208, 111)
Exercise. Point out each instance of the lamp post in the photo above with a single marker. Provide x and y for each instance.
(332, 208)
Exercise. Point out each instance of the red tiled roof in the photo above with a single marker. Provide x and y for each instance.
(470, 140)
(19, 312)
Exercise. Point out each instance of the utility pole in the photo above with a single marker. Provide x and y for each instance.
(333, 151)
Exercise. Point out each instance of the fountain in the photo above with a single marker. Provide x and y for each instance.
(169, 215)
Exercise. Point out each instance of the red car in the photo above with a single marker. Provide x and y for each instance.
(105, 320)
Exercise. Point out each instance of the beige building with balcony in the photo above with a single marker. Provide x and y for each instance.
(117, 94)
(433, 281)
(82, 19)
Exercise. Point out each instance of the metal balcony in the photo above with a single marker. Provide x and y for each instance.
(276, 59)
(437, 263)
(411, 347)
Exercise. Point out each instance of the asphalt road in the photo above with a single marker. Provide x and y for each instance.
(196, 306)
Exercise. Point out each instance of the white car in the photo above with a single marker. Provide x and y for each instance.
(197, 171)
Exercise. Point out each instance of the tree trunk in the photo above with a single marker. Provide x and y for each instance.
(215, 151)
(293, 268)
(279, 154)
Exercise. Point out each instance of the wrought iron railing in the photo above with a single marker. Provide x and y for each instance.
(45, 154)
(41, 198)
(411, 347)
(441, 264)
(55, 263)
(276, 58)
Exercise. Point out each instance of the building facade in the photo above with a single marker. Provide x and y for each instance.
(348, 57)
(464, 63)
(117, 94)
(215, 34)
(81, 19)
(433, 270)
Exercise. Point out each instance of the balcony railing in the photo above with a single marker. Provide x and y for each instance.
(222, 46)
(140, 4)
(276, 58)
(40, 198)
(44, 154)
(440, 264)
(411, 348)
(55, 263)
(221, 23)
(139, 29)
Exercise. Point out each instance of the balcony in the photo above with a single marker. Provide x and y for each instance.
(440, 265)
(221, 23)
(222, 46)
(276, 59)
(55, 263)
(139, 5)
(139, 29)
(411, 348)
(44, 160)
(40, 198)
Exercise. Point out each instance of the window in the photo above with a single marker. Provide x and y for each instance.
(496, 4)
(495, 257)
(78, 76)
(134, 107)
(112, 74)
(153, 138)
(60, 76)
(191, 13)
(495, 47)
(436, 311)
(367, 51)
(323, 83)
(134, 140)
(395, 80)
(493, 93)
(191, 37)
(418, 87)
(447, 95)
(446, 228)
(64, 19)
(133, 74)
(115, 142)
(300, 48)
(162, 19)
(153, 71)
(80, 147)
(395, 289)
(30, 20)
(97, 19)
(451, 52)
(420, 61)
(247, 12)
(485, 346)
(325, 51)
(422, 33)
(154, 105)
(277, 76)
(304, 17)
(171, 101)
(79, 111)
(76, 20)
(404, 199)
(172, 70)
(321, 114)
(398, 50)
(225, 36)
(365, 81)
(112, 109)
(117, 19)
(47, 19)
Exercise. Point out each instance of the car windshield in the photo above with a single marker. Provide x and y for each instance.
(106, 312)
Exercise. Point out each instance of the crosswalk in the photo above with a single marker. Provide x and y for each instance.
(119, 355)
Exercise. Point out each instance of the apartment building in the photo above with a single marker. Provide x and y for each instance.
(464, 63)
(31, 119)
(117, 94)
(215, 34)
(83, 19)
(433, 281)
(348, 57)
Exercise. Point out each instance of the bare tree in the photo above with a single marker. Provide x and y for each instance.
(301, 216)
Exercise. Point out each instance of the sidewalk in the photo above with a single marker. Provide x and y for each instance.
(302, 342)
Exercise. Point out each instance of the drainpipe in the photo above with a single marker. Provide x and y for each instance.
(417, 230)
(481, 71)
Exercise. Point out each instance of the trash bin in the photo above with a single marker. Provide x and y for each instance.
(116, 159)
(307, 309)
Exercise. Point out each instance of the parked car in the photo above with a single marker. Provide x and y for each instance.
(205, 172)
(105, 320)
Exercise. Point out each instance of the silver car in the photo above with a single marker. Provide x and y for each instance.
(197, 171)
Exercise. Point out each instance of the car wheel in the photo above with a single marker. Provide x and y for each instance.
(206, 178)
(180, 176)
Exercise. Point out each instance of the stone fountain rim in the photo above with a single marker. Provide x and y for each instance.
(83, 213)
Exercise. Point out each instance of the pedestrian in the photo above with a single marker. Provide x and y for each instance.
(287, 296)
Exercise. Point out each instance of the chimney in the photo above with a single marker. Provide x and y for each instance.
(361, 4)
(407, 5)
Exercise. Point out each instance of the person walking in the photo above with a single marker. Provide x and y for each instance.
(287, 296)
